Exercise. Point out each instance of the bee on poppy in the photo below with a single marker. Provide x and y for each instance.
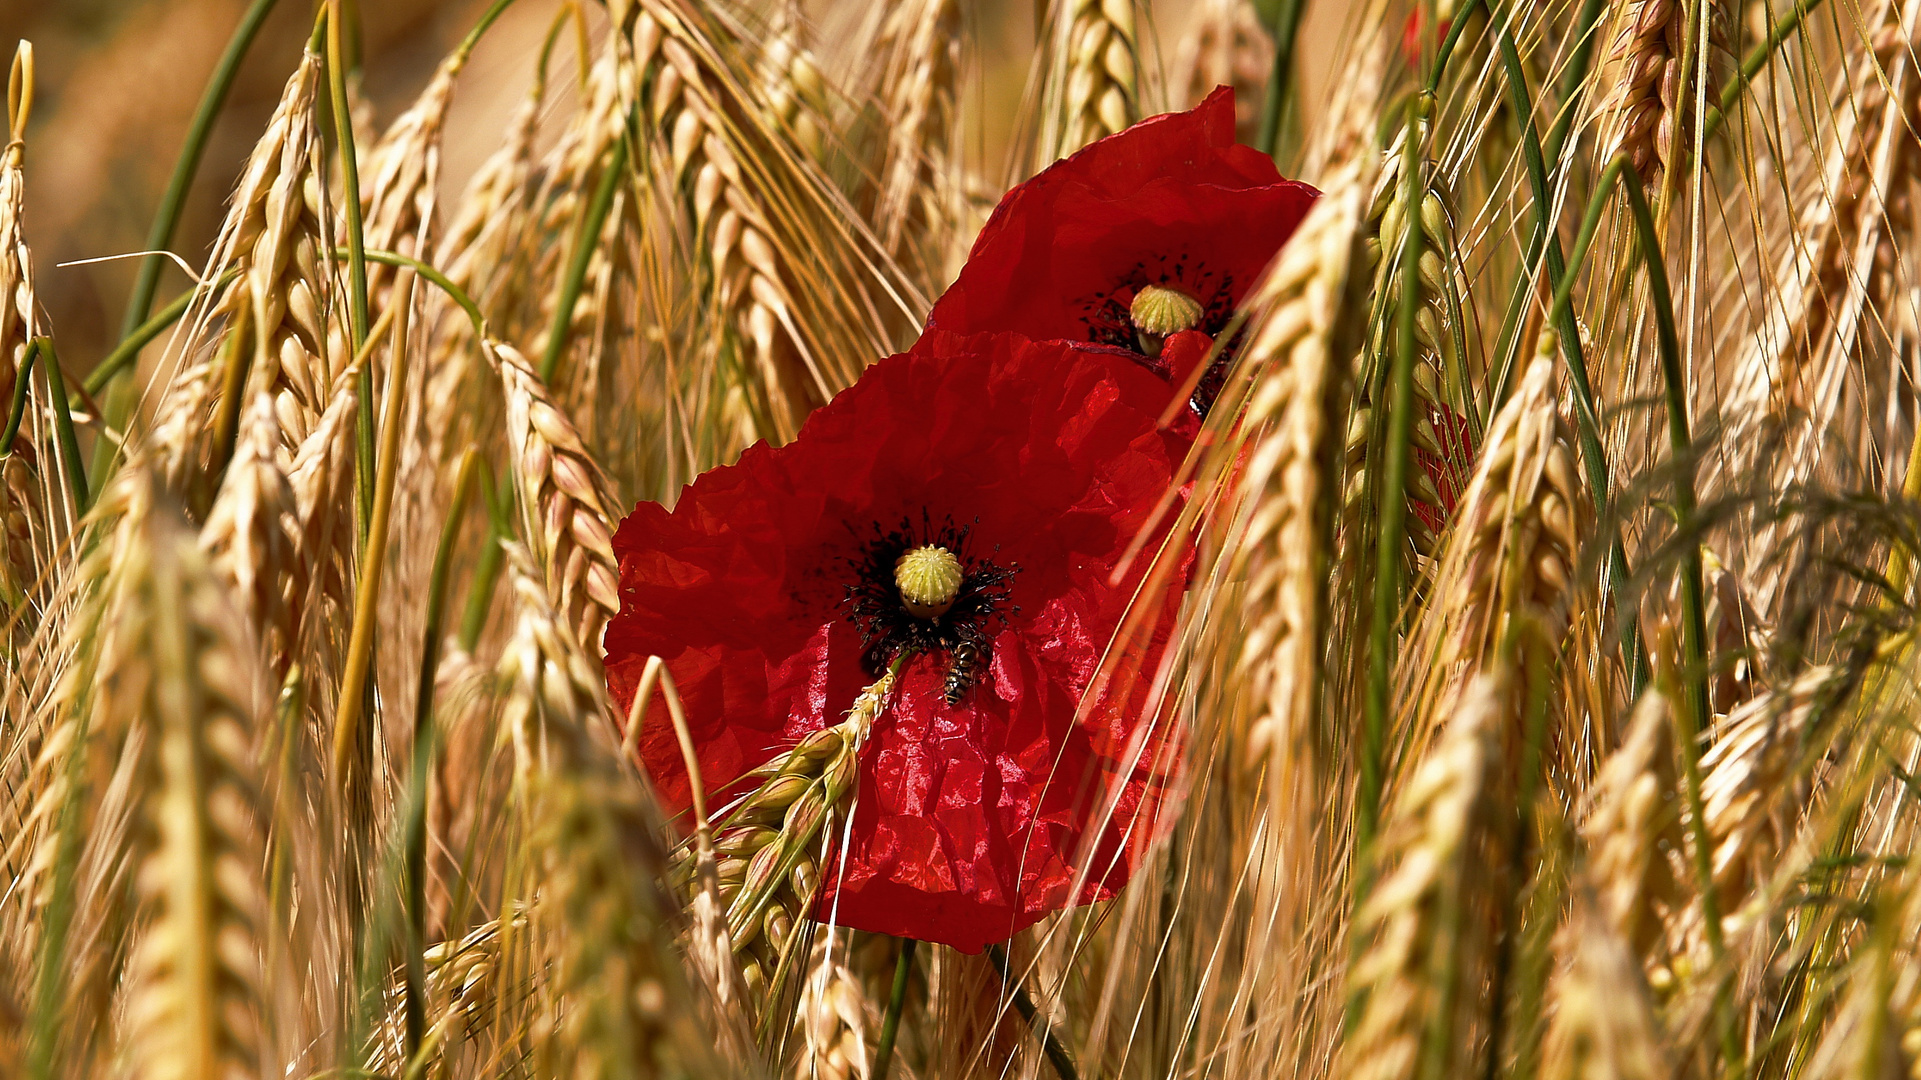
(968, 658)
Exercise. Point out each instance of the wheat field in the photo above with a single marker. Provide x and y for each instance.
(1541, 693)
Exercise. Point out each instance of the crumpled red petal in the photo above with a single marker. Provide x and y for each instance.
(1172, 197)
(971, 822)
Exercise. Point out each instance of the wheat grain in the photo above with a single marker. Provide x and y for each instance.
(620, 1004)
(276, 305)
(1505, 583)
(1757, 754)
(833, 1017)
(917, 81)
(767, 864)
(26, 536)
(1632, 829)
(1301, 314)
(1603, 1025)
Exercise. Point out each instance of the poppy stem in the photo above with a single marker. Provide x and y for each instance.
(896, 998)
(1057, 1054)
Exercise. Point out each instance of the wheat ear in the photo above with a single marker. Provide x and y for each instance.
(251, 534)
(917, 81)
(1603, 1024)
(1226, 46)
(1651, 110)
(620, 1001)
(1094, 73)
(565, 500)
(26, 534)
(195, 1002)
(1417, 980)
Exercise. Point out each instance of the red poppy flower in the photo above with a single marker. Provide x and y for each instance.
(1172, 203)
(768, 591)
(1413, 30)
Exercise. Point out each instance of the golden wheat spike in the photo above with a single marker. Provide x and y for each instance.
(619, 999)
(1295, 401)
(1603, 1024)
(30, 497)
(1758, 751)
(568, 509)
(1426, 945)
(1796, 404)
(276, 304)
(401, 181)
(917, 83)
(835, 1019)
(1093, 74)
(1650, 112)
(1225, 45)
(1630, 830)
(250, 535)
(1505, 583)
(195, 1005)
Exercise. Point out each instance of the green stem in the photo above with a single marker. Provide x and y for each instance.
(22, 378)
(167, 218)
(584, 244)
(1057, 1054)
(1287, 24)
(1694, 711)
(1446, 51)
(70, 459)
(896, 999)
(124, 354)
(423, 743)
(353, 727)
(1587, 417)
(466, 47)
(356, 258)
(433, 277)
(1392, 500)
(480, 595)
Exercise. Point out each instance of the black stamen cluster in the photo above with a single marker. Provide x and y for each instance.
(887, 627)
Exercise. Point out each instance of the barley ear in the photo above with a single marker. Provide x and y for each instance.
(196, 1006)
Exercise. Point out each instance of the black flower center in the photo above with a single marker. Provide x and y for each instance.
(889, 601)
